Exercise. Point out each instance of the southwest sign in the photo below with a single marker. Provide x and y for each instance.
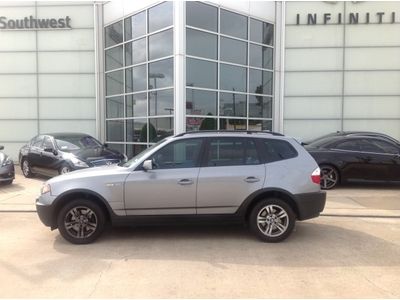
(33, 23)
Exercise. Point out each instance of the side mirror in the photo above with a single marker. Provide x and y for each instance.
(51, 150)
(1, 147)
(148, 165)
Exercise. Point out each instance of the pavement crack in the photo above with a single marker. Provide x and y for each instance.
(99, 278)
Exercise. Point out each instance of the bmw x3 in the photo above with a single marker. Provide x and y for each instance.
(262, 179)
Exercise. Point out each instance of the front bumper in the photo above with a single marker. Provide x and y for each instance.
(45, 210)
(310, 205)
(7, 173)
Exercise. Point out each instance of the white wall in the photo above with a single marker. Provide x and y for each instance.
(342, 77)
(47, 79)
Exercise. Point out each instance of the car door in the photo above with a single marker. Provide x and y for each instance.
(170, 187)
(230, 172)
(48, 160)
(34, 152)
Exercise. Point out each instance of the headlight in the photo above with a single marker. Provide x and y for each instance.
(7, 162)
(45, 189)
(78, 163)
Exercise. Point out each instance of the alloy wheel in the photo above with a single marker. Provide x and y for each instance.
(26, 168)
(272, 220)
(329, 177)
(80, 222)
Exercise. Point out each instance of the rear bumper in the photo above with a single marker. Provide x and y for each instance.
(310, 205)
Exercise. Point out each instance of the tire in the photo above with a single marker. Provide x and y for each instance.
(8, 182)
(26, 168)
(64, 169)
(81, 221)
(329, 177)
(266, 224)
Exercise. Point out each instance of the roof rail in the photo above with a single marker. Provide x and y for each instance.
(230, 131)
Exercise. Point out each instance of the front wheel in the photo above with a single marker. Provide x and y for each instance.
(64, 170)
(272, 220)
(329, 177)
(81, 221)
(26, 169)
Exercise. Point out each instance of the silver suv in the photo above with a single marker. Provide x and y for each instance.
(263, 179)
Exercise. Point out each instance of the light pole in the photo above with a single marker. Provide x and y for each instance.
(155, 76)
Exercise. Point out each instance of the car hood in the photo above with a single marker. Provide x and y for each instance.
(93, 154)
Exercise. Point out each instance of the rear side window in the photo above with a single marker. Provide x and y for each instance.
(232, 152)
(276, 150)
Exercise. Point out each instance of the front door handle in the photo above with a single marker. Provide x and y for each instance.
(185, 182)
(252, 179)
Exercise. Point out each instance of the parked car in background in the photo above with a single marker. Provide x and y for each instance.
(354, 133)
(344, 158)
(60, 153)
(263, 179)
(7, 173)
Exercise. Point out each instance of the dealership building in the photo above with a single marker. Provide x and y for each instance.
(132, 72)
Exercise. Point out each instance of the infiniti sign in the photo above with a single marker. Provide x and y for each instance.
(33, 23)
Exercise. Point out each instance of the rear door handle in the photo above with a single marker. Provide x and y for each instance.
(185, 182)
(252, 179)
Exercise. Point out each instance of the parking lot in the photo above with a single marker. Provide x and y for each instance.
(353, 250)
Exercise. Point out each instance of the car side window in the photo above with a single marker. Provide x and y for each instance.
(369, 146)
(37, 142)
(232, 152)
(385, 147)
(276, 150)
(47, 144)
(351, 145)
(179, 154)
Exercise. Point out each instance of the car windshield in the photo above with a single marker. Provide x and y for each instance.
(73, 143)
(141, 154)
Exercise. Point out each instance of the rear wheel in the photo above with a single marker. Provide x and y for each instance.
(26, 169)
(329, 177)
(64, 169)
(272, 220)
(81, 221)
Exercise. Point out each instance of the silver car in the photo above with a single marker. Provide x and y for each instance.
(263, 179)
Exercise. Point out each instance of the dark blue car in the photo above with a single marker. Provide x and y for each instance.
(59, 153)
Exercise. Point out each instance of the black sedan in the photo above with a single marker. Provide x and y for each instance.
(354, 133)
(7, 173)
(59, 153)
(355, 157)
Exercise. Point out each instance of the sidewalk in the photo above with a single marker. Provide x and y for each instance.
(375, 200)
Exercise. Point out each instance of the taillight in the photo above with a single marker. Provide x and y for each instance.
(316, 176)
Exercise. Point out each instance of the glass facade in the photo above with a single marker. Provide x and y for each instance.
(229, 70)
(139, 79)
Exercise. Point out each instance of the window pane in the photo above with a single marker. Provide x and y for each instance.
(135, 26)
(201, 44)
(135, 52)
(233, 78)
(260, 82)
(115, 107)
(133, 150)
(114, 83)
(115, 131)
(385, 147)
(135, 79)
(160, 16)
(180, 154)
(233, 51)
(261, 32)
(114, 58)
(201, 102)
(160, 128)
(260, 107)
(194, 124)
(117, 147)
(136, 105)
(259, 125)
(161, 102)
(201, 73)
(160, 44)
(161, 74)
(233, 24)
(261, 57)
(232, 124)
(276, 150)
(232, 105)
(202, 15)
(136, 130)
(113, 34)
